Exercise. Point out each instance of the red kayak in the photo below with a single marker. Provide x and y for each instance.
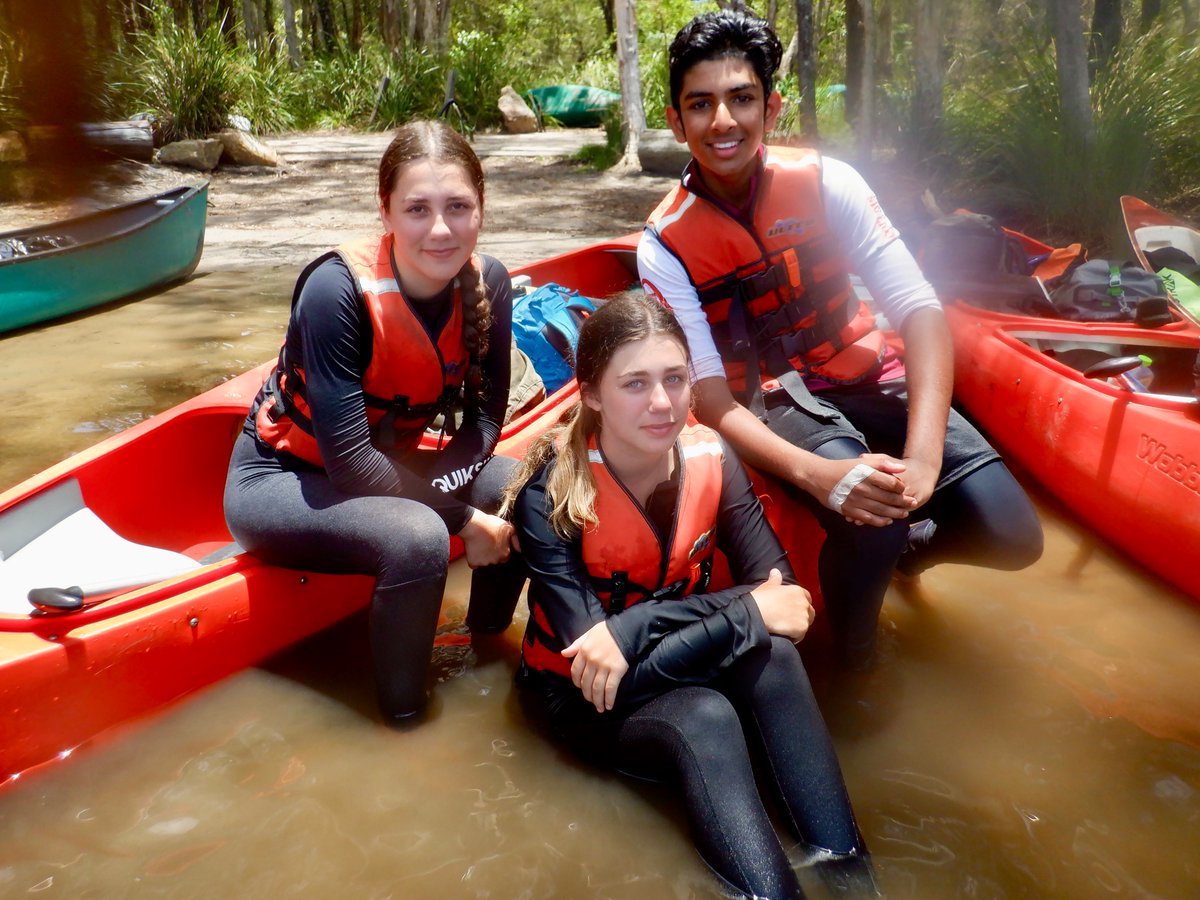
(1126, 461)
(171, 605)
(1152, 230)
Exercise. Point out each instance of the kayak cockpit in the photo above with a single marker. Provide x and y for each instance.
(1151, 367)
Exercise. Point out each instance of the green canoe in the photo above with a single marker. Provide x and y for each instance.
(64, 267)
(574, 105)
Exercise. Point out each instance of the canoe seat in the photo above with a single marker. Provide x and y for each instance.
(54, 541)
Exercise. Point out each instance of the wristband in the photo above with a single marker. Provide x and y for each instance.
(849, 482)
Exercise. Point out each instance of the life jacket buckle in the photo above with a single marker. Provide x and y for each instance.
(619, 591)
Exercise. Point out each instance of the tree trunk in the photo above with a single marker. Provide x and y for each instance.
(328, 25)
(610, 25)
(199, 17)
(927, 106)
(251, 30)
(865, 122)
(633, 115)
(854, 57)
(772, 13)
(430, 24)
(227, 21)
(1071, 58)
(806, 68)
(883, 40)
(1106, 33)
(268, 17)
(1150, 11)
(180, 12)
(354, 32)
(391, 24)
(1190, 17)
(105, 38)
(290, 35)
(129, 23)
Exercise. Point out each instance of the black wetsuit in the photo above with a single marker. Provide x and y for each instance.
(368, 512)
(706, 683)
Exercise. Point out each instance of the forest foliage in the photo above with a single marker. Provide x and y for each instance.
(998, 130)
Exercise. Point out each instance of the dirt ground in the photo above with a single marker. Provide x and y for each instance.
(538, 201)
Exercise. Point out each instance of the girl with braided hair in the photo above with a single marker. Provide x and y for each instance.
(386, 334)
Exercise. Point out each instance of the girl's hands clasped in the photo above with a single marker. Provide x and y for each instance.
(786, 609)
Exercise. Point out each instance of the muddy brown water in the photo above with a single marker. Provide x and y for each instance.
(1031, 734)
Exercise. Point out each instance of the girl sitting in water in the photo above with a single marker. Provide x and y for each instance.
(385, 335)
(636, 663)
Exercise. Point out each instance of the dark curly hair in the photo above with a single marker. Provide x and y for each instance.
(716, 35)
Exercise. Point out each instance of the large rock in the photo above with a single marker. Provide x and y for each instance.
(518, 117)
(660, 154)
(201, 154)
(243, 149)
(12, 148)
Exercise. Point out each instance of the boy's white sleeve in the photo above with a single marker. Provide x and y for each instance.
(872, 244)
(664, 278)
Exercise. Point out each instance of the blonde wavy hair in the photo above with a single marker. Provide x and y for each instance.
(627, 317)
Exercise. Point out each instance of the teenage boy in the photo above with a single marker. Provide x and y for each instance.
(753, 252)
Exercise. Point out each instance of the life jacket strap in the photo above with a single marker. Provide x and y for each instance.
(619, 587)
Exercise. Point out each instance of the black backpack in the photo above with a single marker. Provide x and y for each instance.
(968, 246)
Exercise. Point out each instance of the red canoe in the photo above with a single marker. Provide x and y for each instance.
(1127, 463)
(65, 678)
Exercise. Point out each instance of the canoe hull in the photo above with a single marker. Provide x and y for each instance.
(155, 242)
(1128, 465)
(574, 105)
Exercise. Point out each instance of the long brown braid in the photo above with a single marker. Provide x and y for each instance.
(571, 487)
(438, 142)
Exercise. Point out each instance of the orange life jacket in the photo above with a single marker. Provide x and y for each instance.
(624, 557)
(775, 288)
(410, 379)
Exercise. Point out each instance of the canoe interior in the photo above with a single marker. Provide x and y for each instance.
(104, 225)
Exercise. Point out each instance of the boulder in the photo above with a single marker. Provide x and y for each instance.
(518, 117)
(238, 123)
(243, 149)
(660, 154)
(201, 154)
(12, 148)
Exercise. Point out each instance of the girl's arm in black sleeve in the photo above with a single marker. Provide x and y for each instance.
(476, 439)
(559, 581)
(333, 342)
(750, 545)
(702, 639)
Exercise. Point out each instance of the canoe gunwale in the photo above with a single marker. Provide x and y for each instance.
(186, 196)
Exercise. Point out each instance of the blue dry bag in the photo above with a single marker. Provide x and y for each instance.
(545, 324)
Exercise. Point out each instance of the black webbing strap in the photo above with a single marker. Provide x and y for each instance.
(619, 587)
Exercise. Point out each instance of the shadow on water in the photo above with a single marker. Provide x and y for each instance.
(1027, 734)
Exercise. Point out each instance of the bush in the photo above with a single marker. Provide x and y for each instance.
(189, 82)
(1007, 139)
